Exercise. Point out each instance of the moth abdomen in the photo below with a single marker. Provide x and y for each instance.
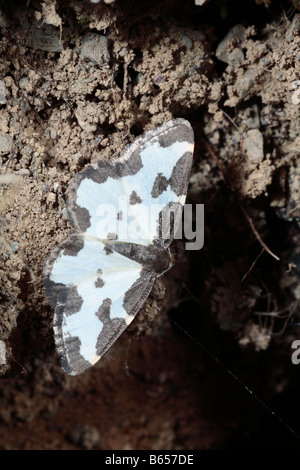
(152, 258)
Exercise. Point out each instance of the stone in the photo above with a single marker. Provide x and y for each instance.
(53, 133)
(236, 56)
(23, 172)
(95, 49)
(6, 142)
(254, 146)
(2, 353)
(44, 38)
(236, 35)
(52, 172)
(15, 246)
(51, 198)
(23, 82)
(2, 92)
(243, 85)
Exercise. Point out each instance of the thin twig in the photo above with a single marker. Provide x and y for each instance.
(253, 264)
(232, 121)
(258, 237)
(290, 309)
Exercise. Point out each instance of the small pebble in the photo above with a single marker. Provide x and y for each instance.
(237, 33)
(52, 172)
(51, 198)
(95, 49)
(23, 172)
(44, 38)
(23, 82)
(254, 146)
(236, 56)
(123, 52)
(65, 214)
(52, 133)
(195, 88)
(2, 92)
(2, 353)
(6, 142)
(15, 246)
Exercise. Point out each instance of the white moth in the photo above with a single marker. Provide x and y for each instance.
(99, 277)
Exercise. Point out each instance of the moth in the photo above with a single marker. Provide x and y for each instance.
(99, 277)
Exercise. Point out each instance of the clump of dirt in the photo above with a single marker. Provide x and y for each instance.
(78, 82)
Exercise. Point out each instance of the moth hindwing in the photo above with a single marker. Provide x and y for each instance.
(99, 277)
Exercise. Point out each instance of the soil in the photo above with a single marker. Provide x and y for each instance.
(207, 363)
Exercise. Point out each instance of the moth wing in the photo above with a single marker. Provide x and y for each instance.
(96, 293)
(123, 199)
